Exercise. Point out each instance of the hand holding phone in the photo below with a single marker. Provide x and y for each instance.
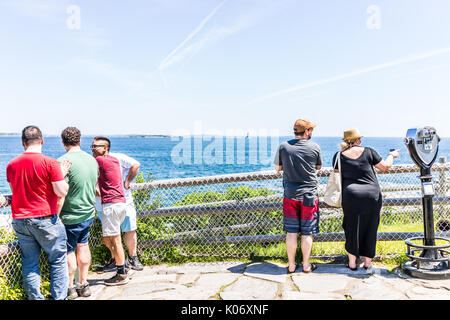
(394, 152)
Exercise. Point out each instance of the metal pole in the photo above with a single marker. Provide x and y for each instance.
(427, 202)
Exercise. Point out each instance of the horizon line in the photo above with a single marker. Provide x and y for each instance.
(145, 135)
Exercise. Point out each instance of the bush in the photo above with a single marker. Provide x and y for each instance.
(9, 291)
(192, 228)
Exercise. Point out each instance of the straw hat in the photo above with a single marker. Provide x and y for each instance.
(351, 134)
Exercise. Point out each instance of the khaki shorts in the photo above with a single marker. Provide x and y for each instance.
(129, 223)
(113, 215)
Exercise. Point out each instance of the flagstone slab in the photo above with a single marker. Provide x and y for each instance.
(267, 271)
(249, 288)
(210, 267)
(291, 295)
(374, 288)
(423, 293)
(140, 288)
(181, 294)
(216, 281)
(319, 283)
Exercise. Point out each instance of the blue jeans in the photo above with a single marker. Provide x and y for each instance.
(50, 235)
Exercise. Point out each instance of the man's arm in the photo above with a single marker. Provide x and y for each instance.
(65, 167)
(319, 160)
(59, 205)
(57, 172)
(277, 161)
(60, 188)
(132, 173)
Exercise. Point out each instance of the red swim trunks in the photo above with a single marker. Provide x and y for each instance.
(299, 218)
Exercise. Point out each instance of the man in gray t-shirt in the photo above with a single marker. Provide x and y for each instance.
(299, 159)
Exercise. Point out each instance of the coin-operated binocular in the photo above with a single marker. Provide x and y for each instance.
(433, 262)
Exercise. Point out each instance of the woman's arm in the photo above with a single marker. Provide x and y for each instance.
(385, 165)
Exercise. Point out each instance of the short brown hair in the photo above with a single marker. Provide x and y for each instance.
(71, 136)
(31, 135)
(108, 142)
(301, 125)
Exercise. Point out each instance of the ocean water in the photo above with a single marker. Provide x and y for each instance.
(166, 157)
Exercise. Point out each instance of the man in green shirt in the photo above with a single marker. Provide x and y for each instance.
(78, 209)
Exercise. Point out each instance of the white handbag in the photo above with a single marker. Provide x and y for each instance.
(333, 190)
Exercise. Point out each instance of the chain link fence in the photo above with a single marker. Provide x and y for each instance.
(240, 216)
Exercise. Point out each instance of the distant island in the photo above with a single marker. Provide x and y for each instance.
(144, 136)
(9, 134)
(113, 135)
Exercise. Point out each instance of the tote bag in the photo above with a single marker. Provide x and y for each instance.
(333, 190)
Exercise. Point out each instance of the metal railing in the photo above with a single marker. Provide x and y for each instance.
(240, 215)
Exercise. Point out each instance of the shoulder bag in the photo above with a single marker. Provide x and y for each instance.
(333, 190)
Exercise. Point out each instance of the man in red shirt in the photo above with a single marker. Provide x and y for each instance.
(37, 181)
(113, 205)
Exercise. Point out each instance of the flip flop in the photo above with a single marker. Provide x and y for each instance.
(313, 267)
(289, 272)
(353, 269)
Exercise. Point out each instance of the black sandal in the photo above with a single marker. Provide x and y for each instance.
(313, 267)
(353, 269)
(290, 272)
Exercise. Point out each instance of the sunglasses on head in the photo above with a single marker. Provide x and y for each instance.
(94, 146)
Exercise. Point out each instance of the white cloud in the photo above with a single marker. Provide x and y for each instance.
(173, 55)
(352, 74)
(232, 22)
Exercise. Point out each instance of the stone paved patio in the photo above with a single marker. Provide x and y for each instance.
(266, 281)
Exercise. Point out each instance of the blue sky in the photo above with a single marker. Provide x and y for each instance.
(170, 66)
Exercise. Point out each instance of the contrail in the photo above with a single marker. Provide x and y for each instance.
(351, 74)
(166, 62)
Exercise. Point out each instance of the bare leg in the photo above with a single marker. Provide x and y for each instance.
(114, 243)
(108, 245)
(306, 246)
(83, 261)
(291, 249)
(72, 266)
(130, 240)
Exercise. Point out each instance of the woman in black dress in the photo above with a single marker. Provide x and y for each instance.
(361, 196)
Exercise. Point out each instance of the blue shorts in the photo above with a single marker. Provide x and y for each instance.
(77, 233)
